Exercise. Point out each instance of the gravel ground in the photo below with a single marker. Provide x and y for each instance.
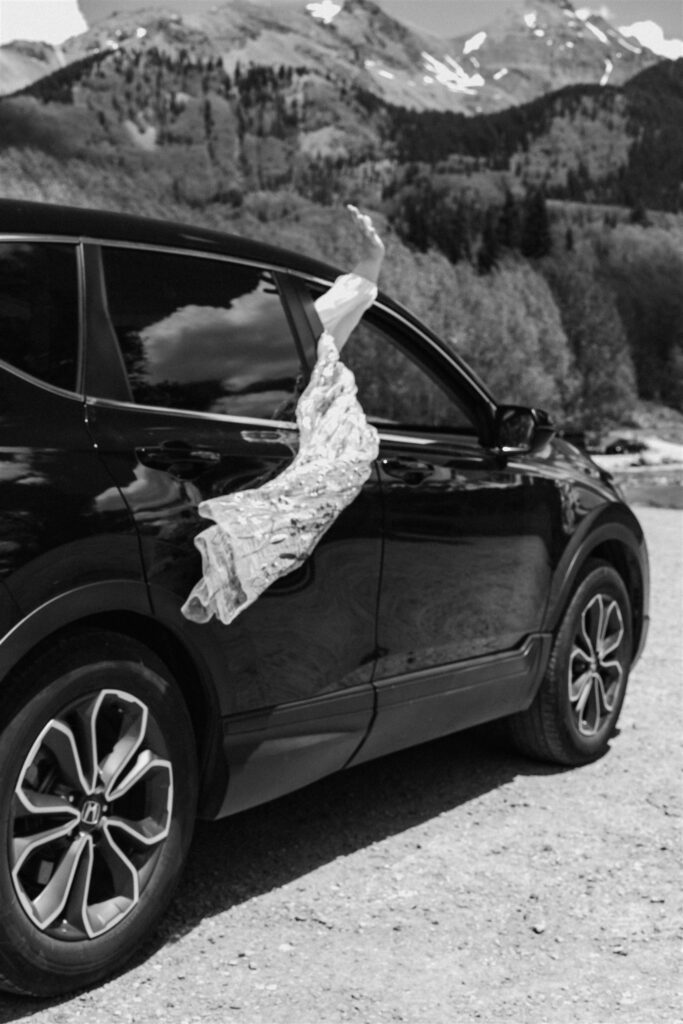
(451, 883)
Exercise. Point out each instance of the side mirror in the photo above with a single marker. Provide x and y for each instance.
(521, 431)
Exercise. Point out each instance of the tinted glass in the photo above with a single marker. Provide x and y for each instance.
(200, 334)
(394, 388)
(39, 310)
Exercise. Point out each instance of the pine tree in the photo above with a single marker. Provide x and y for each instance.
(487, 257)
(536, 240)
(509, 223)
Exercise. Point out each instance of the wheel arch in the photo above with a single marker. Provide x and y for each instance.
(125, 608)
(615, 536)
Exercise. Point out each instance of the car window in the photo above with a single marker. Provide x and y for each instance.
(200, 334)
(395, 388)
(39, 310)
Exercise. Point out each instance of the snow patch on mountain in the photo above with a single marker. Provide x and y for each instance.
(474, 43)
(628, 46)
(324, 10)
(597, 32)
(451, 74)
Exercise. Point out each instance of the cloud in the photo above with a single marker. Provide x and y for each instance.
(651, 35)
(51, 21)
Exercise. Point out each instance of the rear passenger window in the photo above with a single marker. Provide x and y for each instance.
(39, 310)
(200, 334)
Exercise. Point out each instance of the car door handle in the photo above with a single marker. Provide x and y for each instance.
(177, 457)
(411, 471)
(288, 436)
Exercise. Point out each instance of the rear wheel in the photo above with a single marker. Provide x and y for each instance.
(578, 703)
(98, 787)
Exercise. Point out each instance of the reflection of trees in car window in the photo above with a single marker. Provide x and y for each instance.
(200, 334)
(392, 388)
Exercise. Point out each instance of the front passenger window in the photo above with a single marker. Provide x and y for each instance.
(395, 389)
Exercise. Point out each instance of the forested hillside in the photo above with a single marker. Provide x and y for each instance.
(589, 143)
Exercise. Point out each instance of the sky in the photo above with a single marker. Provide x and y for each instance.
(54, 21)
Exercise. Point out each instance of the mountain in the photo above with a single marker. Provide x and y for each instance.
(23, 62)
(360, 43)
(530, 50)
(217, 106)
(544, 46)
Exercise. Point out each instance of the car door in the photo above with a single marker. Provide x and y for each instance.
(191, 388)
(55, 548)
(465, 564)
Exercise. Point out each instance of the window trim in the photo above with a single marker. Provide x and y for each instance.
(218, 417)
(54, 389)
(82, 335)
(174, 250)
(24, 236)
(178, 250)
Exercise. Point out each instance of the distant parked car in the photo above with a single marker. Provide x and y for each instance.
(487, 569)
(623, 446)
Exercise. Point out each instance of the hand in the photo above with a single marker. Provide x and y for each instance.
(372, 247)
(373, 244)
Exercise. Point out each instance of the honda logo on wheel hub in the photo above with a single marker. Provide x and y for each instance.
(91, 812)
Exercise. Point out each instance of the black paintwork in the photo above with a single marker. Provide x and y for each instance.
(428, 606)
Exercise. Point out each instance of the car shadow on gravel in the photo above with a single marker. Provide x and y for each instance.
(251, 853)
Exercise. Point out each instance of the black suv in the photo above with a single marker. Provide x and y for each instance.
(487, 570)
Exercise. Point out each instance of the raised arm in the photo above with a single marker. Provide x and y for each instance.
(341, 308)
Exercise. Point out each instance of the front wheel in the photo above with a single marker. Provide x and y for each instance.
(98, 785)
(577, 706)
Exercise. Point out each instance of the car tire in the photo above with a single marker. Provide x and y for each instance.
(98, 789)
(578, 703)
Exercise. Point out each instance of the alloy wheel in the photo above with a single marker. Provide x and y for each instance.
(596, 664)
(92, 807)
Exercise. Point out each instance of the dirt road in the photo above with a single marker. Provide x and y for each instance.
(451, 883)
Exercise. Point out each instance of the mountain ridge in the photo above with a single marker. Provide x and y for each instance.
(525, 55)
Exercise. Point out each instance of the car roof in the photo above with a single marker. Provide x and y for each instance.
(22, 216)
(25, 217)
